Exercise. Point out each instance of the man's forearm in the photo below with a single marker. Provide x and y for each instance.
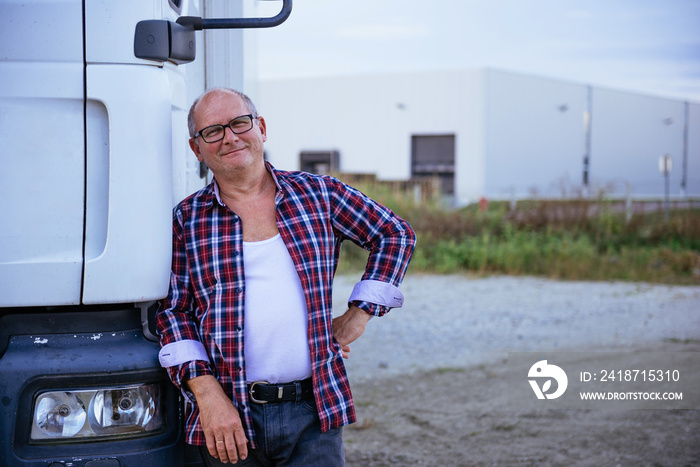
(205, 386)
(348, 327)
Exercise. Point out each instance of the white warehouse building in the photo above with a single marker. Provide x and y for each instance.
(485, 133)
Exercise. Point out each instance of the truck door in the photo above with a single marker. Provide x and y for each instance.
(42, 149)
(132, 106)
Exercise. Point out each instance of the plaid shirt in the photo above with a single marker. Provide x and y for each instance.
(204, 307)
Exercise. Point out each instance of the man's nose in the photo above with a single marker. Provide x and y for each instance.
(233, 137)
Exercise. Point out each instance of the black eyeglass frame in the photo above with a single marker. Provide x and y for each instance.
(223, 128)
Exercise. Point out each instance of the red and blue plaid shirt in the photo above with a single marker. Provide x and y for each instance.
(201, 319)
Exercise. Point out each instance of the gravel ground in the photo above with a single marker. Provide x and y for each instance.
(431, 387)
(459, 321)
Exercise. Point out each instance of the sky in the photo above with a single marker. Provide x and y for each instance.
(645, 46)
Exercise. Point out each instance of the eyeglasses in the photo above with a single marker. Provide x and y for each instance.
(214, 133)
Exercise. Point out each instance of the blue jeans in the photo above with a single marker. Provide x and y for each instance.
(289, 434)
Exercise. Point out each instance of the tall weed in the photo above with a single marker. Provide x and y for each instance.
(578, 239)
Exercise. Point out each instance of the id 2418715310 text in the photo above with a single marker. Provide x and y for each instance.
(631, 376)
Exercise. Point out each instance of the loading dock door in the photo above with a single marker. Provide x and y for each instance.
(319, 162)
(434, 155)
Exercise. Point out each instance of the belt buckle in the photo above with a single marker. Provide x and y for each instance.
(252, 388)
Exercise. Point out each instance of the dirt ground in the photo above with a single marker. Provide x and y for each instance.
(461, 417)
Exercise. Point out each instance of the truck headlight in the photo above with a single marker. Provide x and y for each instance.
(59, 414)
(97, 413)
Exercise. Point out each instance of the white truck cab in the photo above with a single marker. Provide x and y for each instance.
(93, 144)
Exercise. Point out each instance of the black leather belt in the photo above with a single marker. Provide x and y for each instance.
(262, 392)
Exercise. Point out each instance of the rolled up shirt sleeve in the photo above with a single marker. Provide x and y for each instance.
(179, 352)
(184, 360)
(376, 297)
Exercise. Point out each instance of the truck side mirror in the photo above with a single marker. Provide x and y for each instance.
(164, 40)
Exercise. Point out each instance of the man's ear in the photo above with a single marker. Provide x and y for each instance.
(263, 128)
(195, 149)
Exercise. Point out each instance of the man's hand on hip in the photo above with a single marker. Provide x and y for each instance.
(220, 420)
(349, 326)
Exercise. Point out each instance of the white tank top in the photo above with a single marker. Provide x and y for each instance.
(276, 319)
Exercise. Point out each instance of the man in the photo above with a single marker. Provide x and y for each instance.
(246, 329)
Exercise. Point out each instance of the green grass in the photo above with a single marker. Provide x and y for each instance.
(579, 239)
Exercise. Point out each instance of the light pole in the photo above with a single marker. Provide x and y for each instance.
(665, 165)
